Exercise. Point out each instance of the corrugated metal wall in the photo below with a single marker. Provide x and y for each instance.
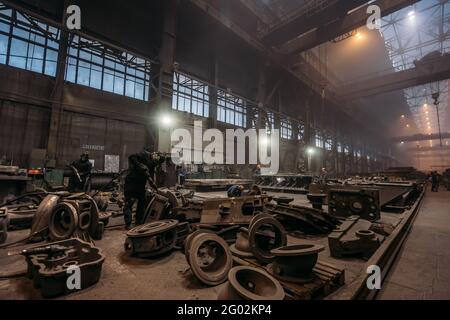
(25, 127)
(22, 128)
(98, 136)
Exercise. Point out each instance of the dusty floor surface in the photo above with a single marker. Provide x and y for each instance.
(167, 277)
(421, 270)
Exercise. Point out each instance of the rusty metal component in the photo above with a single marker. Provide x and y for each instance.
(249, 283)
(233, 210)
(265, 233)
(317, 200)
(304, 219)
(283, 200)
(157, 208)
(290, 183)
(210, 258)
(364, 203)
(42, 216)
(152, 239)
(4, 222)
(48, 269)
(76, 216)
(295, 263)
(215, 184)
(354, 238)
(241, 248)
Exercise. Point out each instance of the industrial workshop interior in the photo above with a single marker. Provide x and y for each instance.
(217, 150)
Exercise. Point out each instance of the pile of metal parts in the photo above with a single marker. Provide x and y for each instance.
(289, 183)
(49, 266)
(155, 238)
(64, 215)
(365, 198)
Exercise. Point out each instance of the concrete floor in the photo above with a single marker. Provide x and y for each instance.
(421, 270)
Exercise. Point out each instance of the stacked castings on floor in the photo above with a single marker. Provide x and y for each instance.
(68, 215)
(155, 238)
(295, 263)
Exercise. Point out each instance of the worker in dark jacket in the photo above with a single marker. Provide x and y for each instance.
(141, 169)
(81, 170)
(235, 191)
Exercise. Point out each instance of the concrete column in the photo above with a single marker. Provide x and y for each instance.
(58, 90)
(167, 59)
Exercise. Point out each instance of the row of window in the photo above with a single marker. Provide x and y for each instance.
(29, 44)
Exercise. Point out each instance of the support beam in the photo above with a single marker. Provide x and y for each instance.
(310, 16)
(426, 71)
(422, 137)
(351, 21)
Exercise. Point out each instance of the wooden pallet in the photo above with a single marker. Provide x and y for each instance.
(328, 278)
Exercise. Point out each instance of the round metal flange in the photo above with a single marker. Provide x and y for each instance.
(241, 248)
(248, 283)
(266, 233)
(210, 258)
(188, 241)
(152, 228)
(295, 263)
(63, 221)
(365, 234)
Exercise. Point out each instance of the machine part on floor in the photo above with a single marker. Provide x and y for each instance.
(48, 265)
(152, 239)
(190, 237)
(264, 234)
(4, 222)
(283, 200)
(77, 216)
(175, 198)
(289, 183)
(364, 203)
(354, 238)
(215, 184)
(304, 219)
(385, 229)
(223, 211)
(157, 208)
(249, 283)
(317, 200)
(21, 215)
(210, 258)
(295, 263)
(42, 217)
(183, 230)
(241, 248)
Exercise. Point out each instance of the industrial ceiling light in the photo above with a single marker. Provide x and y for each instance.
(310, 151)
(166, 120)
(359, 36)
(411, 15)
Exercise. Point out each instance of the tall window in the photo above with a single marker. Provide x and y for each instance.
(231, 109)
(319, 140)
(92, 64)
(190, 95)
(27, 43)
(286, 129)
(328, 144)
(301, 132)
